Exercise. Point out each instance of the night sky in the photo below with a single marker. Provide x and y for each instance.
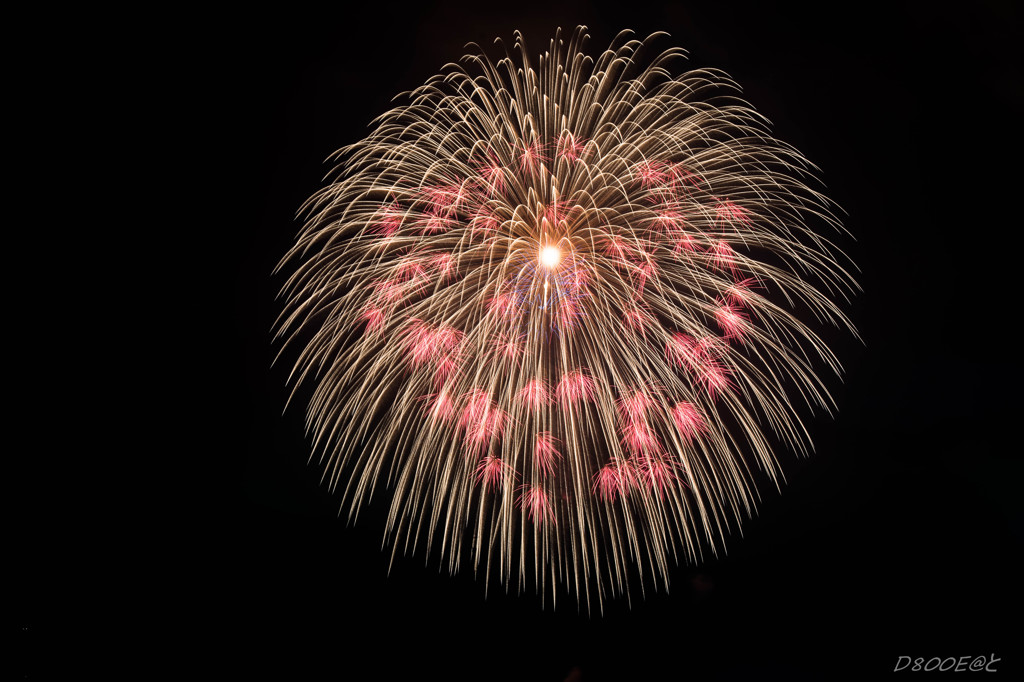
(901, 536)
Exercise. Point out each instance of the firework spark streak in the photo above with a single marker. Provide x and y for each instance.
(556, 310)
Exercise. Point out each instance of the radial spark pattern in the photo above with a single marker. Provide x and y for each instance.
(556, 311)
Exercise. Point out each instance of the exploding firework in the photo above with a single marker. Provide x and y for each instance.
(556, 311)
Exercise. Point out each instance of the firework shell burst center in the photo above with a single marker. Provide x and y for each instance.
(560, 312)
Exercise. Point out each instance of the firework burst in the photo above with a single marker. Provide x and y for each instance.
(556, 310)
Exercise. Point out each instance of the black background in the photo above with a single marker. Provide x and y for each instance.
(901, 536)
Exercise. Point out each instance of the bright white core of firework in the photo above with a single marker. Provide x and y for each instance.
(549, 256)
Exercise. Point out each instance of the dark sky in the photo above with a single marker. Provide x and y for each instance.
(900, 537)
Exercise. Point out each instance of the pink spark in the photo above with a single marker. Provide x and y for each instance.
(425, 343)
(462, 192)
(484, 222)
(534, 501)
(388, 291)
(531, 157)
(447, 198)
(445, 265)
(714, 378)
(723, 257)
(639, 437)
(575, 387)
(389, 221)
(510, 347)
(656, 473)
(699, 356)
(634, 406)
(614, 479)
(568, 312)
(637, 320)
(479, 434)
(679, 350)
(503, 306)
(436, 224)
(408, 269)
(577, 275)
(685, 242)
(709, 349)
(535, 394)
(684, 351)
(440, 407)
(650, 174)
(732, 321)
(373, 316)
(688, 420)
(477, 404)
(637, 434)
(498, 422)
(668, 219)
(482, 419)
(680, 175)
(608, 483)
(545, 454)
(557, 211)
(420, 343)
(639, 275)
(739, 294)
(569, 148)
(616, 247)
(446, 367)
(437, 198)
(728, 211)
(492, 472)
(448, 338)
(493, 175)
